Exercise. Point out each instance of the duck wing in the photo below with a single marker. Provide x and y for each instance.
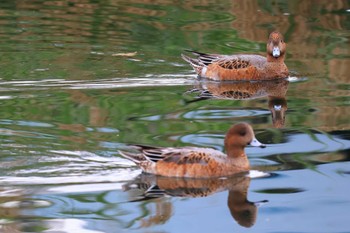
(231, 62)
(205, 58)
(193, 155)
(182, 155)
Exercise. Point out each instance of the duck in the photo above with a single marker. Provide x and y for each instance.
(197, 162)
(243, 67)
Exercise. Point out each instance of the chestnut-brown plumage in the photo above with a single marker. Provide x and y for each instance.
(243, 66)
(198, 162)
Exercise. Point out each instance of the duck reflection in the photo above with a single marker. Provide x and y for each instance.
(154, 187)
(274, 90)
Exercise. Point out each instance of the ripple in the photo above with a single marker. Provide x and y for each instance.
(300, 142)
(294, 79)
(10, 192)
(149, 80)
(90, 180)
(26, 123)
(258, 174)
(29, 203)
(23, 133)
(71, 225)
(79, 188)
(222, 114)
(205, 140)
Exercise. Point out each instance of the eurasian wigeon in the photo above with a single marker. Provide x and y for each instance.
(243, 66)
(198, 162)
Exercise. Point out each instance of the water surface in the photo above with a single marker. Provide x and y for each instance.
(80, 80)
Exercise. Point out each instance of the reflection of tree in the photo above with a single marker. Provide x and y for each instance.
(156, 187)
(75, 40)
(10, 210)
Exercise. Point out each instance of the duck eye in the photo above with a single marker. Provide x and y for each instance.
(242, 133)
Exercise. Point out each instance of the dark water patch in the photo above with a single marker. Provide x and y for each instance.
(280, 210)
(281, 190)
(343, 172)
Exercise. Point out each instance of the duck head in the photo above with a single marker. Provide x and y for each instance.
(238, 137)
(276, 47)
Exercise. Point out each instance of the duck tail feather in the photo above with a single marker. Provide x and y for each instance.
(136, 158)
(194, 52)
(194, 62)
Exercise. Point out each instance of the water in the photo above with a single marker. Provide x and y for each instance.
(81, 79)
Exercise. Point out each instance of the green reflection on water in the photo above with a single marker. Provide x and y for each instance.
(59, 139)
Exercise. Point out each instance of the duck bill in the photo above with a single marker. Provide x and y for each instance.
(276, 52)
(277, 107)
(255, 142)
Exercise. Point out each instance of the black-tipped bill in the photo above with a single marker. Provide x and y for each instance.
(276, 52)
(255, 142)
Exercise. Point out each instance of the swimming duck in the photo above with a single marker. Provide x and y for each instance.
(243, 66)
(198, 162)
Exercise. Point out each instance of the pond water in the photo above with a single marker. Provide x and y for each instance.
(81, 79)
